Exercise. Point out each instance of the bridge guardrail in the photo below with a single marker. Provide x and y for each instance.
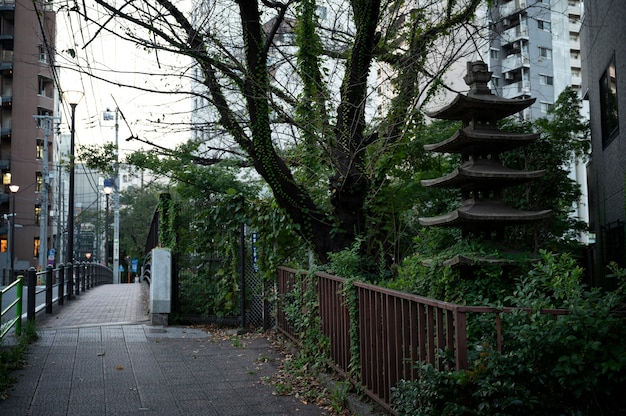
(17, 303)
(67, 281)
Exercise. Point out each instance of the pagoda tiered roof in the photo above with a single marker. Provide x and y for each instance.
(487, 172)
(470, 140)
(485, 213)
(481, 177)
(466, 107)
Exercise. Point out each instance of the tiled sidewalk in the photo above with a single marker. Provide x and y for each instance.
(100, 364)
(106, 304)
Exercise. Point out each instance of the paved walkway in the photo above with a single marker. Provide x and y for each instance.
(97, 355)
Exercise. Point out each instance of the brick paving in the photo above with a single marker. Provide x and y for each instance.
(97, 355)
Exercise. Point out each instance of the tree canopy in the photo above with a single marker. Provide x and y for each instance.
(321, 98)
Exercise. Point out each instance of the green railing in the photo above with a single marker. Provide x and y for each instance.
(17, 321)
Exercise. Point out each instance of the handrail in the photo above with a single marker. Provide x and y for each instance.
(17, 321)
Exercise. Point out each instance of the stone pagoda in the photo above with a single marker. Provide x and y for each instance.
(481, 176)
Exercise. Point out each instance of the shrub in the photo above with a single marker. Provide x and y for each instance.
(573, 364)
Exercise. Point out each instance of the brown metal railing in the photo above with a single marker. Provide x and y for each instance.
(396, 330)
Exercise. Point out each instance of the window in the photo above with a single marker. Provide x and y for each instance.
(43, 54)
(38, 181)
(46, 87)
(608, 104)
(37, 214)
(36, 247)
(545, 106)
(39, 150)
(543, 25)
(495, 81)
(494, 53)
(546, 80)
(545, 53)
(321, 12)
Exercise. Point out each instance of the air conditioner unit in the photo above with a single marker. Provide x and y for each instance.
(516, 45)
(508, 76)
(506, 22)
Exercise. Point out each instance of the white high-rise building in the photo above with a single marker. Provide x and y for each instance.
(533, 50)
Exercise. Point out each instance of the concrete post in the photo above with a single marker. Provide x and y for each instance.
(160, 286)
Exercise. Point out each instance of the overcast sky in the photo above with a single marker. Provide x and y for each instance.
(121, 62)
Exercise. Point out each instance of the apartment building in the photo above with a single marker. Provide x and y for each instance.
(29, 94)
(533, 48)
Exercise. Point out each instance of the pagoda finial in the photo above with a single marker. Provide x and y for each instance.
(477, 77)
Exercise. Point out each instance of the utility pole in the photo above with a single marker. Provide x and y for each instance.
(116, 202)
(47, 123)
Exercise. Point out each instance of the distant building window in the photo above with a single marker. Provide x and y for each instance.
(38, 181)
(36, 247)
(43, 54)
(39, 150)
(545, 106)
(37, 214)
(546, 80)
(608, 104)
(545, 53)
(495, 81)
(494, 53)
(321, 12)
(543, 25)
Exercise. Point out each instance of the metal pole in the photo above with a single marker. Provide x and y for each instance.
(106, 233)
(116, 205)
(70, 208)
(12, 239)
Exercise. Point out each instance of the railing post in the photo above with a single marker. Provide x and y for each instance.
(77, 278)
(49, 289)
(18, 307)
(82, 274)
(69, 276)
(61, 277)
(89, 272)
(32, 286)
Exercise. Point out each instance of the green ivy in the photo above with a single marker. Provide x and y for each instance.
(301, 308)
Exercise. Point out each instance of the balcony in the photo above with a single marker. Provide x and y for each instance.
(516, 89)
(515, 61)
(7, 5)
(512, 7)
(6, 59)
(7, 100)
(6, 132)
(514, 34)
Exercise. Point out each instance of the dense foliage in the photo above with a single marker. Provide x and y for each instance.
(574, 364)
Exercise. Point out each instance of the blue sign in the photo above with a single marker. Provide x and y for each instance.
(134, 265)
(255, 254)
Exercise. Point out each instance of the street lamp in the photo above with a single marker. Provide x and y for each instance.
(73, 98)
(13, 189)
(108, 189)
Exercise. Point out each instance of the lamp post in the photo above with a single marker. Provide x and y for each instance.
(73, 98)
(13, 189)
(108, 189)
